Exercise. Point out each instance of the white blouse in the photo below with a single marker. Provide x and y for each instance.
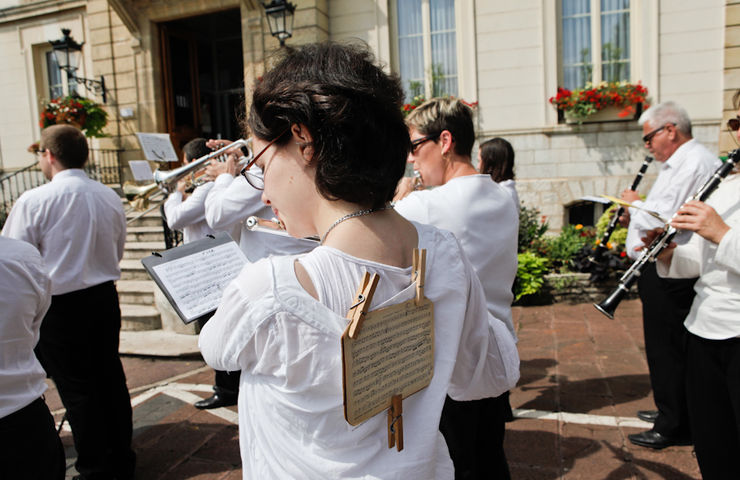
(715, 313)
(484, 218)
(25, 295)
(287, 346)
(189, 215)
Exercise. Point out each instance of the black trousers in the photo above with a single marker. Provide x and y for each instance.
(665, 304)
(78, 348)
(713, 392)
(224, 382)
(474, 432)
(30, 446)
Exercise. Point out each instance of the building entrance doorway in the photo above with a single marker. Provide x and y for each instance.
(203, 76)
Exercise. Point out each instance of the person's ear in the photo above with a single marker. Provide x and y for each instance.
(446, 141)
(304, 140)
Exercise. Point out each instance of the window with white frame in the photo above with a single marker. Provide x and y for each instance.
(53, 76)
(595, 42)
(427, 47)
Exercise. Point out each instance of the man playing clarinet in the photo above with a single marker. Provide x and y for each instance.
(685, 165)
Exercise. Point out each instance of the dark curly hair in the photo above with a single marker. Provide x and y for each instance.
(351, 108)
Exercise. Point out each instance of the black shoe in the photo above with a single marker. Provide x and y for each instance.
(653, 439)
(217, 400)
(647, 415)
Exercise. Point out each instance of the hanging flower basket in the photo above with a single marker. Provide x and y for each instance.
(605, 102)
(80, 112)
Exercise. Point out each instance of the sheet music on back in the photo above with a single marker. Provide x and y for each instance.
(194, 276)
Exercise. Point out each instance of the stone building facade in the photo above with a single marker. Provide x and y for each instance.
(506, 55)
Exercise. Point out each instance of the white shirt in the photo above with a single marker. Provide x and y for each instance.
(679, 178)
(25, 295)
(77, 224)
(715, 313)
(485, 219)
(287, 345)
(231, 201)
(510, 186)
(189, 215)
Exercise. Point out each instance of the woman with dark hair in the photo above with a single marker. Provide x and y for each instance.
(496, 158)
(332, 145)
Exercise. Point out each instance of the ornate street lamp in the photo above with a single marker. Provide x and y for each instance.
(67, 53)
(280, 18)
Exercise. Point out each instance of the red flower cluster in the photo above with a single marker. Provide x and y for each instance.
(586, 101)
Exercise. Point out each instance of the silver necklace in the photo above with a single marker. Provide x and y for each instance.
(358, 213)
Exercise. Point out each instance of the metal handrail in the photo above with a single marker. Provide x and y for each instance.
(103, 166)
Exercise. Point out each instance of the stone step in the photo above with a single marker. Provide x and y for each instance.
(151, 219)
(137, 292)
(145, 234)
(139, 250)
(133, 270)
(139, 317)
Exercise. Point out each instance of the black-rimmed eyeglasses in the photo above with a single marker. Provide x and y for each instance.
(42, 151)
(257, 180)
(733, 124)
(649, 137)
(417, 142)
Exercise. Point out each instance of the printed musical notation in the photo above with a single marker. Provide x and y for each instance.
(196, 281)
(393, 354)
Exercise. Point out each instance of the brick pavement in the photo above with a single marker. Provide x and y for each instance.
(583, 379)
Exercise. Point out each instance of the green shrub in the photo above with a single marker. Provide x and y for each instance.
(560, 250)
(530, 274)
(618, 236)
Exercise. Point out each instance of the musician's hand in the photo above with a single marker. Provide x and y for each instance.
(404, 188)
(217, 144)
(182, 185)
(214, 169)
(624, 218)
(666, 254)
(629, 195)
(700, 218)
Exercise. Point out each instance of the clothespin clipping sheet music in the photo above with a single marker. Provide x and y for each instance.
(388, 353)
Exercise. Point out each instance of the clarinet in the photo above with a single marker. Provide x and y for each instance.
(601, 247)
(659, 243)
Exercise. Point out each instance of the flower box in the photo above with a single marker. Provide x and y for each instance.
(608, 114)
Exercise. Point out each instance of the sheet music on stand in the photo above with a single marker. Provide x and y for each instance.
(194, 276)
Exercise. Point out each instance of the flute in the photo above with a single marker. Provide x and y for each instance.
(273, 227)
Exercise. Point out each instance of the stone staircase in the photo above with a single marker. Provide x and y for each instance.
(136, 290)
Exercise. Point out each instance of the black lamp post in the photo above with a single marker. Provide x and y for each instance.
(280, 18)
(67, 53)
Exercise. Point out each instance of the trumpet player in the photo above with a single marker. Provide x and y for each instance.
(685, 165)
(187, 211)
(713, 324)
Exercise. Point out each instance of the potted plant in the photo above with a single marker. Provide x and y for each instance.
(81, 112)
(612, 101)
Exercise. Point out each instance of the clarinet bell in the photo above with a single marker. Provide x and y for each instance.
(609, 305)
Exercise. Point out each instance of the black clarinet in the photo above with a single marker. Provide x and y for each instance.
(601, 248)
(659, 243)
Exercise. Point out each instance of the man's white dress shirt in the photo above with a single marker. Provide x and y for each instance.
(715, 313)
(189, 215)
(25, 295)
(77, 224)
(231, 201)
(679, 178)
(485, 219)
(287, 346)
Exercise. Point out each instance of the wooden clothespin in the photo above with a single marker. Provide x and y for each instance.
(419, 270)
(395, 423)
(363, 297)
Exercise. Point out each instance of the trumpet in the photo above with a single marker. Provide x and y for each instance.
(601, 247)
(274, 227)
(609, 305)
